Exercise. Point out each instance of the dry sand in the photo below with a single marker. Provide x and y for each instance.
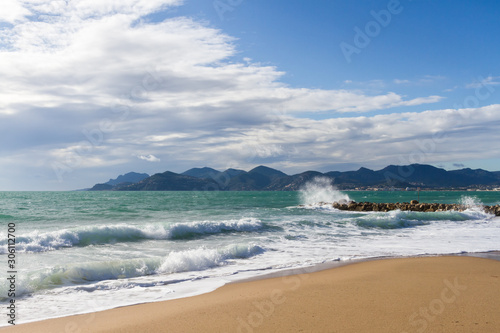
(431, 294)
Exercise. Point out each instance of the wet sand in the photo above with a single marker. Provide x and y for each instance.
(421, 294)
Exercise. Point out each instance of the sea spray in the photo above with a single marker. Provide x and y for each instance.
(474, 208)
(471, 202)
(321, 190)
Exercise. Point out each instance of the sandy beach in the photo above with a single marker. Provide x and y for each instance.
(422, 294)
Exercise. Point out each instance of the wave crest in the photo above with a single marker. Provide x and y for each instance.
(93, 272)
(109, 234)
(200, 259)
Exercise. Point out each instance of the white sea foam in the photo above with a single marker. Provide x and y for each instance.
(37, 241)
(184, 230)
(113, 264)
(175, 262)
(471, 202)
(321, 190)
(201, 258)
(475, 208)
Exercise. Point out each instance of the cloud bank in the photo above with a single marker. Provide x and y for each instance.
(87, 86)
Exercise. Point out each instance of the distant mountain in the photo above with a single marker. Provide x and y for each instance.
(363, 176)
(478, 176)
(202, 172)
(131, 177)
(233, 172)
(102, 187)
(170, 181)
(122, 180)
(257, 179)
(293, 183)
(263, 178)
(221, 178)
(268, 172)
(429, 176)
(419, 175)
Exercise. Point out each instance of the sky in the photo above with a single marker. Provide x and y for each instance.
(91, 89)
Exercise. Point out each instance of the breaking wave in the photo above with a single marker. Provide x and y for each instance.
(93, 272)
(118, 233)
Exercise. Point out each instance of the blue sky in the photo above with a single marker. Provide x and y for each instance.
(94, 89)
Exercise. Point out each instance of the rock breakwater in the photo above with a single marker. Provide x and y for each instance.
(414, 206)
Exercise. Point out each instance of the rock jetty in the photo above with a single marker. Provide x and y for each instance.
(414, 206)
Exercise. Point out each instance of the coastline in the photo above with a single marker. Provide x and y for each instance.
(366, 295)
(267, 233)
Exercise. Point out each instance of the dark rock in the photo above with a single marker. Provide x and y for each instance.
(405, 206)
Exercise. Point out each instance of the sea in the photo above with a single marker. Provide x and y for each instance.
(80, 252)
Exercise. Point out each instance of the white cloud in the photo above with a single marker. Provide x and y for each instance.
(421, 100)
(397, 81)
(375, 86)
(95, 61)
(421, 81)
(376, 141)
(93, 85)
(432, 78)
(149, 158)
(451, 89)
(416, 137)
(482, 82)
(12, 11)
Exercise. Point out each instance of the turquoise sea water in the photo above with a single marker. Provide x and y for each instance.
(85, 251)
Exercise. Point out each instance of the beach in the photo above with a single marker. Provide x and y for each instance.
(418, 294)
(249, 166)
(79, 253)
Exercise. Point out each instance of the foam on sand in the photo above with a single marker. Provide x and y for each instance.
(435, 294)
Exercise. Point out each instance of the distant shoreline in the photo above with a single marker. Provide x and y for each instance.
(262, 178)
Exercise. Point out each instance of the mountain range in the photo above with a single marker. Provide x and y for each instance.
(120, 181)
(263, 178)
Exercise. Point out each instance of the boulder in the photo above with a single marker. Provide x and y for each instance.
(407, 206)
